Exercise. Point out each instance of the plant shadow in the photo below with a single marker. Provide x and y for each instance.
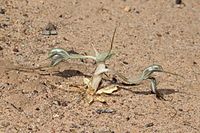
(70, 73)
(162, 91)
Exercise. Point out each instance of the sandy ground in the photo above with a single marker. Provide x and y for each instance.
(148, 31)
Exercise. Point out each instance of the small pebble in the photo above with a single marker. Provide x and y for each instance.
(55, 116)
(179, 4)
(3, 25)
(64, 104)
(127, 9)
(1, 48)
(167, 33)
(2, 11)
(128, 118)
(194, 62)
(37, 109)
(114, 101)
(15, 50)
(50, 29)
(25, 15)
(20, 109)
(178, 1)
(64, 38)
(159, 35)
(126, 63)
(114, 80)
(138, 12)
(57, 103)
(149, 125)
(180, 110)
(100, 111)
(35, 92)
(72, 52)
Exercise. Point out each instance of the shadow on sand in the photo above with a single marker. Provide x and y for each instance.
(162, 91)
(70, 73)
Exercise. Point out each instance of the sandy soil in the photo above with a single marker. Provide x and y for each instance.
(149, 31)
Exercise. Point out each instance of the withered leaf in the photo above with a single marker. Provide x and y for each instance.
(107, 90)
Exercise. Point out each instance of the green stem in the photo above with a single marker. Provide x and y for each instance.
(77, 56)
(127, 80)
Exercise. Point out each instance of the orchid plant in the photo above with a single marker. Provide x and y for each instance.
(58, 55)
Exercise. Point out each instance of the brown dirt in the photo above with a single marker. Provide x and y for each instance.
(149, 31)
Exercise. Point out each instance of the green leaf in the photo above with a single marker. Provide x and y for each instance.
(151, 69)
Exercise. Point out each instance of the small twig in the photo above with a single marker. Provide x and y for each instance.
(18, 109)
